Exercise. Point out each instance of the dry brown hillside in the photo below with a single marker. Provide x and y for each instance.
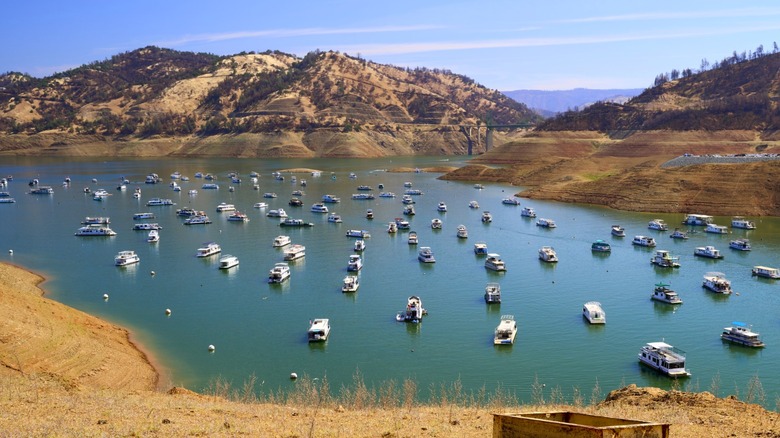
(590, 167)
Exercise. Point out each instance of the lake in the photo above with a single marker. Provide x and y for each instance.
(260, 329)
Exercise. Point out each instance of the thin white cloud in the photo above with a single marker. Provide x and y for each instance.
(288, 33)
(678, 15)
(405, 48)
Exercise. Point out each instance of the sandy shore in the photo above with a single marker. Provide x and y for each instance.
(42, 336)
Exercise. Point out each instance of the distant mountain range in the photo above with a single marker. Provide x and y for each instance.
(548, 103)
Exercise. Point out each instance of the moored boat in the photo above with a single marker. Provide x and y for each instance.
(545, 223)
(159, 202)
(412, 239)
(462, 232)
(600, 246)
(528, 212)
(492, 293)
(145, 226)
(228, 261)
(425, 255)
(506, 331)
(740, 244)
(319, 207)
(716, 282)
(280, 241)
(494, 262)
(90, 220)
(487, 217)
(335, 218)
(678, 234)
(480, 248)
(510, 201)
(657, 224)
(360, 245)
(643, 241)
(708, 251)
(200, 219)
(473, 204)
(260, 205)
(319, 330)
(355, 263)
(766, 272)
(360, 234)
(663, 294)
(716, 229)
(548, 254)
(741, 222)
(618, 231)
(593, 312)
(125, 258)
(277, 213)
(697, 219)
(153, 236)
(414, 311)
(294, 252)
(442, 207)
(290, 222)
(351, 284)
(664, 358)
(208, 249)
(139, 216)
(237, 216)
(741, 333)
(664, 259)
(279, 273)
(95, 230)
(436, 224)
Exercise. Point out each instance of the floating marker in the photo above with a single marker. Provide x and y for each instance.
(293, 376)
(212, 348)
(105, 296)
(167, 311)
(10, 251)
(152, 273)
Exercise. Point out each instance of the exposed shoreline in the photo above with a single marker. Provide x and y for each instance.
(81, 348)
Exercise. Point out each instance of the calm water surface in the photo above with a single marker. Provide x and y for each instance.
(260, 329)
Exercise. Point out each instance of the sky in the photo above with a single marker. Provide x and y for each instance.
(502, 44)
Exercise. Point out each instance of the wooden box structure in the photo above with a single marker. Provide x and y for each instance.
(559, 424)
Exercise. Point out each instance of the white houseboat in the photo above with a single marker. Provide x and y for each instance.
(708, 251)
(279, 273)
(280, 241)
(766, 272)
(319, 330)
(697, 219)
(355, 263)
(125, 258)
(741, 222)
(208, 249)
(492, 293)
(658, 224)
(593, 312)
(480, 248)
(425, 255)
(664, 358)
(506, 331)
(740, 244)
(548, 254)
(741, 333)
(436, 224)
(545, 223)
(228, 261)
(95, 230)
(618, 231)
(294, 252)
(716, 282)
(351, 284)
(414, 311)
(643, 241)
(716, 229)
(494, 262)
(664, 259)
(528, 212)
(663, 294)
(462, 231)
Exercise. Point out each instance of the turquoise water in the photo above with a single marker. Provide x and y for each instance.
(260, 329)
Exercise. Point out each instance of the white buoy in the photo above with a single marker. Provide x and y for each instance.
(152, 273)
(10, 251)
(293, 376)
(212, 348)
(167, 311)
(105, 296)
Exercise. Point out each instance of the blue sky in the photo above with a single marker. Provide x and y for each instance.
(504, 45)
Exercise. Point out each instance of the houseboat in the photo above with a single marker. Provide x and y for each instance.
(740, 244)
(600, 246)
(125, 258)
(545, 223)
(294, 252)
(657, 224)
(664, 358)
(208, 249)
(708, 251)
(360, 245)
(593, 312)
(494, 262)
(618, 231)
(462, 232)
(487, 217)
(480, 248)
(766, 272)
(319, 330)
(663, 259)
(663, 294)
(510, 201)
(355, 263)
(280, 241)
(678, 234)
(506, 331)
(290, 222)
(528, 212)
(548, 254)
(436, 224)
(643, 241)
(492, 293)
(412, 239)
(360, 234)
(279, 273)
(740, 333)
(741, 222)
(716, 229)
(95, 230)
(425, 255)
(697, 219)
(351, 284)
(414, 311)
(228, 261)
(319, 208)
(716, 282)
